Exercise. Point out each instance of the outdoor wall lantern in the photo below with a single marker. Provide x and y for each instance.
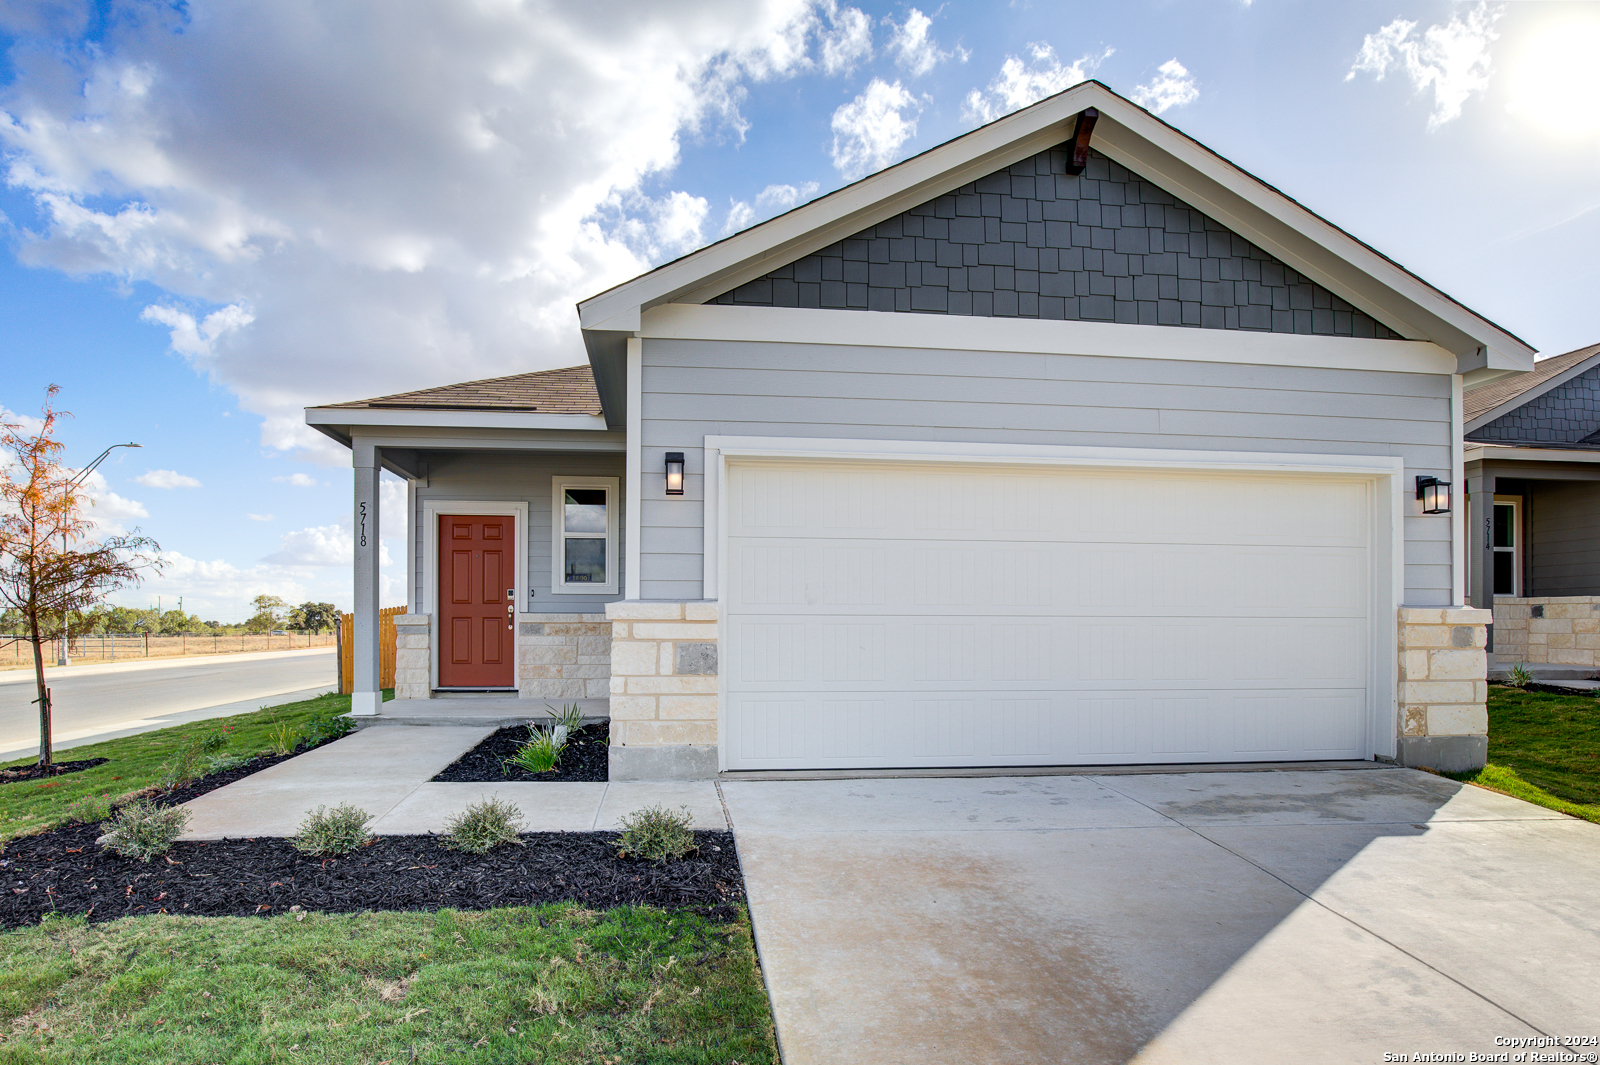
(1435, 495)
(674, 473)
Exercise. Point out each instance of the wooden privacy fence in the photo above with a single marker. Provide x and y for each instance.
(386, 648)
(113, 647)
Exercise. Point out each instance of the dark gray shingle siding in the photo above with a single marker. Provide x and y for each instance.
(1032, 242)
(1567, 414)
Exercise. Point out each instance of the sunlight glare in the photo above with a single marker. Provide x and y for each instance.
(1555, 81)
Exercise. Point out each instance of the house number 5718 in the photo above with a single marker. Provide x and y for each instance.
(363, 523)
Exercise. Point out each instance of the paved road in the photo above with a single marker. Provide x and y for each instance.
(100, 701)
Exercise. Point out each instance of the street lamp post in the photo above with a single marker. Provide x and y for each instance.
(62, 659)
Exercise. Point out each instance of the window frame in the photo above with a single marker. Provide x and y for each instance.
(1515, 550)
(558, 535)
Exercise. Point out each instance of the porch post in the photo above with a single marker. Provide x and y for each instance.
(366, 698)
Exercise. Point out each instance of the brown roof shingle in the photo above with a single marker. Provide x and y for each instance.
(1484, 398)
(569, 390)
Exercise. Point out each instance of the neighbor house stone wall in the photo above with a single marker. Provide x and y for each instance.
(1444, 687)
(663, 690)
(411, 665)
(563, 656)
(1547, 630)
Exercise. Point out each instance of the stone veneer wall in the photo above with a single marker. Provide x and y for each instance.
(1547, 630)
(559, 656)
(411, 666)
(563, 656)
(663, 690)
(1444, 690)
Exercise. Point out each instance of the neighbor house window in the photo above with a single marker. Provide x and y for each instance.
(584, 536)
(1507, 541)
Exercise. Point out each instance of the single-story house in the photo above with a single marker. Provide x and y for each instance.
(1065, 442)
(1533, 471)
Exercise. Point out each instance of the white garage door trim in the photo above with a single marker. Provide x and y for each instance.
(1387, 530)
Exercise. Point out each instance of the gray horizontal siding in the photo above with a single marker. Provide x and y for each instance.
(692, 389)
(1565, 538)
(522, 477)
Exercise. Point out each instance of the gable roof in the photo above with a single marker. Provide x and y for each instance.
(1487, 402)
(569, 390)
(1130, 136)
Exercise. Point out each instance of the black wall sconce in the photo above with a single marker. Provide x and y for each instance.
(1435, 495)
(674, 473)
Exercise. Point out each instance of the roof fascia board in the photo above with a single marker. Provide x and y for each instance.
(451, 419)
(1533, 393)
(1300, 238)
(729, 263)
(682, 321)
(1502, 453)
(434, 439)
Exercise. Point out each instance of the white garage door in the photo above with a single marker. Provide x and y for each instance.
(921, 615)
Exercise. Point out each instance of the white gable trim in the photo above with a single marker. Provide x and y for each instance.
(780, 325)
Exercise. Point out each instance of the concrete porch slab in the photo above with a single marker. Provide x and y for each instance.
(478, 711)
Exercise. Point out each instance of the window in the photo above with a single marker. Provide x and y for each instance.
(1507, 542)
(583, 536)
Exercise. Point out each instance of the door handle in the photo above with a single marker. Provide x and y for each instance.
(511, 613)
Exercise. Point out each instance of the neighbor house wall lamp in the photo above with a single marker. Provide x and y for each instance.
(674, 473)
(1435, 495)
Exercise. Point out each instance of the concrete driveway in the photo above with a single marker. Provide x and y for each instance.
(1301, 916)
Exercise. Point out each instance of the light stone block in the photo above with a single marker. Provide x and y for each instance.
(1414, 636)
(633, 658)
(700, 611)
(699, 707)
(1457, 665)
(596, 689)
(1560, 639)
(1586, 625)
(541, 655)
(633, 707)
(596, 644)
(1467, 719)
(1421, 615)
(657, 733)
(634, 610)
(1466, 615)
(1413, 720)
(411, 642)
(1586, 641)
(1414, 665)
(1436, 691)
(1548, 625)
(582, 671)
(683, 631)
(671, 685)
(668, 658)
(619, 630)
(1569, 656)
(617, 685)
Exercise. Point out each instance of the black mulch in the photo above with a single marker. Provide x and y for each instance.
(587, 757)
(64, 871)
(33, 772)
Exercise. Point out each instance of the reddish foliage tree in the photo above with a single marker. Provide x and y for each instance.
(49, 566)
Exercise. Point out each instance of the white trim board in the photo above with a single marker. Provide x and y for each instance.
(1505, 453)
(432, 510)
(452, 419)
(633, 471)
(558, 533)
(789, 325)
(1386, 475)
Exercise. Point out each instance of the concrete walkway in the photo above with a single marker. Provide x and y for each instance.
(1167, 918)
(385, 772)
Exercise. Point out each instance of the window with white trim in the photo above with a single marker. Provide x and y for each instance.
(583, 541)
(1507, 542)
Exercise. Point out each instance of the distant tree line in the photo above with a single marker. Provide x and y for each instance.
(272, 614)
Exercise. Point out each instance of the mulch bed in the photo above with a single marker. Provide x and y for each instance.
(33, 772)
(587, 758)
(63, 871)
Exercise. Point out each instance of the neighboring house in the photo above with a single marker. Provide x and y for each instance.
(1065, 442)
(1533, 470)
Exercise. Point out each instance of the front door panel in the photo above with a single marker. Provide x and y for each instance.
(476, 569)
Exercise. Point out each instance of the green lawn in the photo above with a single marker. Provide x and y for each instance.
(1544, 748)
(138, 762)
(547, 984)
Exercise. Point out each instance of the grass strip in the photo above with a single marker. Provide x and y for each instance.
(1544, 747)
(140, 761)
(539, 984)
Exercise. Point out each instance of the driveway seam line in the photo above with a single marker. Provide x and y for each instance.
(1341, 916)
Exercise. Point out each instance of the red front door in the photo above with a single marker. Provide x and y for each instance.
(476, 581)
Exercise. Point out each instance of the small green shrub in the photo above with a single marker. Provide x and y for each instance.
(90, 808)
(539, 755)
(193, 757)
(223, 762)
(336, 831)
(326, 726)
(1519, 676)
(284, 739)
(143, 830)
(567, 720)
(482, 826)
(657, 834)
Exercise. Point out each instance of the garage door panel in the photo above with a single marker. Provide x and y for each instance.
(933, 615)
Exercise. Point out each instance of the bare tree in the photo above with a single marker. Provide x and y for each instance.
(49, 566)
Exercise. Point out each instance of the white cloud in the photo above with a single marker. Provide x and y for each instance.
(1019, 84)
(321, 545)
(1451, 59)
(1173, 86)
(391, 197)
(108, 513)
(847, 39)
(165, 479)
(914, 50)
(193, 339)
(298, 480)
(772, 200)
(869, 131)
(259, 517)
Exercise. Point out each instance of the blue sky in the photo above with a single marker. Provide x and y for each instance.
(216, 214)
